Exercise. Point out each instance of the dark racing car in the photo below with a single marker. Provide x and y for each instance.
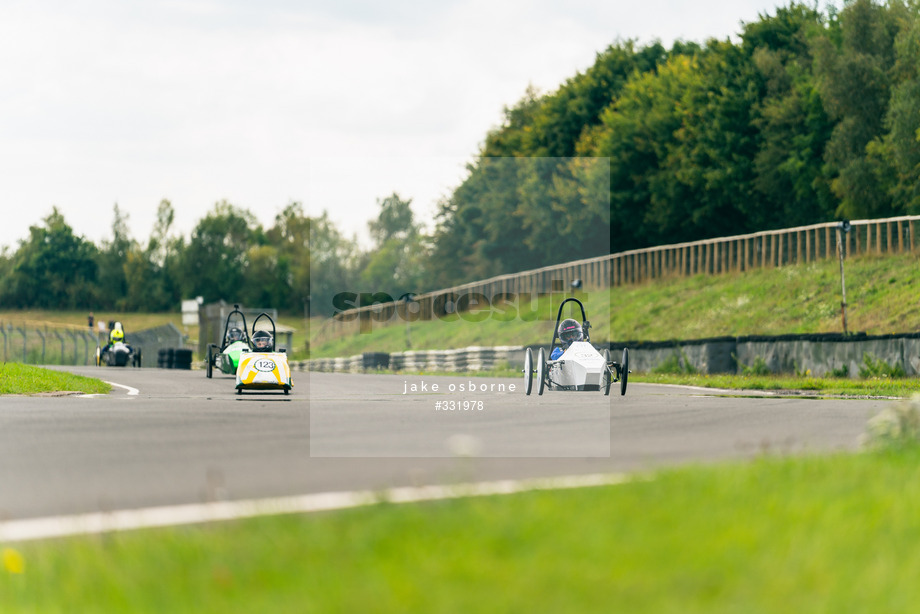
(117, 353)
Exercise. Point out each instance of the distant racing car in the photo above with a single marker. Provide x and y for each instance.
(226, 356)
(117, 353)
(261, 367)
(580, 367)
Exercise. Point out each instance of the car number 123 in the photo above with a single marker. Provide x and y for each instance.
(265, 365)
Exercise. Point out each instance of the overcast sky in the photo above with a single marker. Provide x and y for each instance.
(334, 104)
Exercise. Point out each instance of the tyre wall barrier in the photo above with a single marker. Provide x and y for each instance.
(174, 358)
(817, 354)
(152, 340)
(465, 359)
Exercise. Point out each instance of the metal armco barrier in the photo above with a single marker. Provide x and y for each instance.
(769, 248)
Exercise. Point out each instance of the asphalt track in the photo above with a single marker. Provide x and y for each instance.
(183, 438)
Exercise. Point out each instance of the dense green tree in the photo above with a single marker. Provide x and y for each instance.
(52, 269)
(792, 125)
(266, 282)
(6, 266)
(290, 235)
(142, 279)
(149, 271)
(703, 173)
(395, 263)
(395, 220)
(332, 265)
(563, 116)
(163, 252)
(112, 283)
(853, 66)
(635, 134)
(489, 222)
(213, 264)
(451, 259)
(896, 154)
(513, 214)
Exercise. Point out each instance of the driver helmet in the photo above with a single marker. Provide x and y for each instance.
(234, 334)
(262, 340)
(569, 331)
(116, 336)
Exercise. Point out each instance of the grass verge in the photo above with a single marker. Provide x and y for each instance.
(830, 534)
(819, 386)
(16, 378)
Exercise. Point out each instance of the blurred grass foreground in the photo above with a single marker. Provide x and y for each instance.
(775, 534)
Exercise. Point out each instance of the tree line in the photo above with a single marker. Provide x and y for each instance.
(811, 116)
(228, 256)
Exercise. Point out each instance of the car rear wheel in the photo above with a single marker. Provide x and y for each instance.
(607, 377)
(624, 371)
(528, 371)
(541, 371)
(210, 368)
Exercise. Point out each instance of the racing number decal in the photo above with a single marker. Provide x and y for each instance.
(264, 365)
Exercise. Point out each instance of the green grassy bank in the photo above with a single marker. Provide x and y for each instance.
(882, 293)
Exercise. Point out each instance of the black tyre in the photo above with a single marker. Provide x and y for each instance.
(541, 371)
(98, 356)
(182, 359)
(624, 371)
(607, 376)
(210, 367)
(528, 371)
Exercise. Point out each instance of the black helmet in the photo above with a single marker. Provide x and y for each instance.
(262, 340)
(234, 334)
(569, 331)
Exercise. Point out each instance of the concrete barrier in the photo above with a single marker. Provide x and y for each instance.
(817, 354)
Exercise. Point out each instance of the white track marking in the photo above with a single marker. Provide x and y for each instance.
(132, 392)
(123, 520)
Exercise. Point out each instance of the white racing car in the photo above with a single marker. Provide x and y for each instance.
(262, 367)
(580, 367)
